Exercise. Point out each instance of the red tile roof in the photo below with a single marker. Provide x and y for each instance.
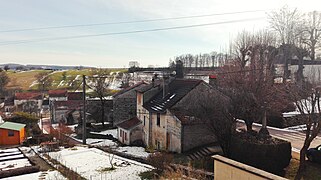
(129, 124)
(58, 93)
(28, 96)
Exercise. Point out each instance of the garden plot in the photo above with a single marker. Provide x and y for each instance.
(47, 175)
(11, 159)
(13, 164)
(92, 163)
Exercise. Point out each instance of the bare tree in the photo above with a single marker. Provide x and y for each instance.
(249, 83)
(311, 32)
(287, 23)
(44, 80)
(4, 80)
(101, 80)
(241, 47)
(308, 103)
(6, 67)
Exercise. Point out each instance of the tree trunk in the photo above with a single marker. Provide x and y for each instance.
(102, 112)
(302, 164)
(249, 126)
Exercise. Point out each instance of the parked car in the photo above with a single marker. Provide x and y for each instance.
(314, 154)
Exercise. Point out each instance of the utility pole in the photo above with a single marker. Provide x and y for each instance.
(84, 110)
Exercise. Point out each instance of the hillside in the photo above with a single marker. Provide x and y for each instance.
(70, 79)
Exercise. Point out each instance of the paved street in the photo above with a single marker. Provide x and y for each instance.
(296, 138)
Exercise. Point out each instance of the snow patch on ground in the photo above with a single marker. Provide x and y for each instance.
(134, 151)
(100, 142)
(88, 162)
(11, 157)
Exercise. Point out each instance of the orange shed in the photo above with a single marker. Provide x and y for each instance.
(12, 133)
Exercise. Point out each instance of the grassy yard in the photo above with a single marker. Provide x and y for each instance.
(313, 171)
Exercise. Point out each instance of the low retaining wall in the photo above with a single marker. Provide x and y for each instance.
(228, 169)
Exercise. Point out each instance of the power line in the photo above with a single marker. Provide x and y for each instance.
(5, 43)
(126, 22)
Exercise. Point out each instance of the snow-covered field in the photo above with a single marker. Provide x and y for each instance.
(48, 175)
(131, 150)
(13, 164)
(89, 162)
(6, 156)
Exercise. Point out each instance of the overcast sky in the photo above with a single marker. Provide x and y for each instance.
(149, 48)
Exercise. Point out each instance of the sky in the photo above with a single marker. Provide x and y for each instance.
(148, 48)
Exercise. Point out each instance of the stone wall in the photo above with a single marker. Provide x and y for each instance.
(124, 107)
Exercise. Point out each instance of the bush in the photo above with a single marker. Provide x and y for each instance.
(160, 160)
(271, 155)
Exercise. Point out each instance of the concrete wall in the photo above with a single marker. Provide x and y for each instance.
(196, 135)
(228, 169)
(173, 133)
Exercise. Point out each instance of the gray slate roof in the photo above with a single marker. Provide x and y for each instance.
(178, 88)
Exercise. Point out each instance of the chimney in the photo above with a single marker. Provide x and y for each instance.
(179, 69)
(212, 80)
(154, 78)
(165, 85)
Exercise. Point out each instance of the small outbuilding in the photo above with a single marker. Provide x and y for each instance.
(130, 131)
(12, 133)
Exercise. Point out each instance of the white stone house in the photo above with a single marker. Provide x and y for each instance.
(130, 131)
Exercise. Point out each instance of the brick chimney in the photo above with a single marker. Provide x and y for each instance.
(213, 80)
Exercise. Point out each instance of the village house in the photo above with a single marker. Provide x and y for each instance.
(30, 102)
(12, 133)
(124, 103)
(161, 109)
(58, 95)
(9, 106)
(130, 132)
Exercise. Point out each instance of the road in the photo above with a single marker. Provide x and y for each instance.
(295, 137)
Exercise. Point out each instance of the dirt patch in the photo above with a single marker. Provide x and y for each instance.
(43, 165)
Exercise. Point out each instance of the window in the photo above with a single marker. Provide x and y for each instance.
(10, 133)
(125, 136)
(144, 120)
(157, 144)
(158, 119)
(120, 132)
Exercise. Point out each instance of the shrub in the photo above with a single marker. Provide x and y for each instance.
(160, 160)
(271, 155)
